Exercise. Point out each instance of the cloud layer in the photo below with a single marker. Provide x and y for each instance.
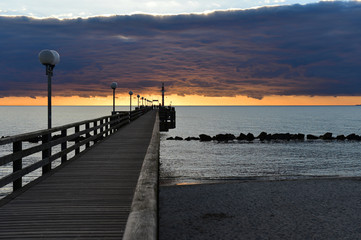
(290, 50)
(86, 8)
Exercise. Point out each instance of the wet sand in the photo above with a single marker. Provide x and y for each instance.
(299, 209)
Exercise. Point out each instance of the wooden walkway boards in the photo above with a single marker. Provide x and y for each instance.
(88, 198)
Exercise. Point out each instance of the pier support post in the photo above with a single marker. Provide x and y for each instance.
(46, 153)
(17, 165)
(63, 146)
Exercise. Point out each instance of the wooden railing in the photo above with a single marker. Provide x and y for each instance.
(71, 138)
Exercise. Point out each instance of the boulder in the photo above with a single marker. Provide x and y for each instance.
(327, 136)
(281, 136)
(262, 136)
(242, 136)
(177, 138)
(300, 136)
(205, 138)
(311, 137)
(224, 137)
(341, 137)
(250, 137)
(191, 138)
(353, 137)
(170, 138)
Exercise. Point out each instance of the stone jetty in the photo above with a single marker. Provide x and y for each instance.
(263, 136)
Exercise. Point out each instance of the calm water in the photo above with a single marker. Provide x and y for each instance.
(18, 120)
(195, 161)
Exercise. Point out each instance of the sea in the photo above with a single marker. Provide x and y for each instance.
(194, 162)
(190, 162)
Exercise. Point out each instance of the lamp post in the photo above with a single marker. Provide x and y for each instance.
(143, 101)
(130, 98)
(49, 58)
(138, 100)
(146, 104)
(114, 85)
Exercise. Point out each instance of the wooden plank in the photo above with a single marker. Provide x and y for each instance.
(88, 197)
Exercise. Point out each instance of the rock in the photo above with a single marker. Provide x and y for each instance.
(191, 138)
(262, 136)
(178, 138)
(250, 137)
(300, 136)
(353, 137)
(311, 137)
(205, 138)
(242, 136)
(341, 137)
(281, 136)
(327, 136)
(170, 138)
(224, 137)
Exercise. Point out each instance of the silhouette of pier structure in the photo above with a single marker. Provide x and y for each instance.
(92, 194)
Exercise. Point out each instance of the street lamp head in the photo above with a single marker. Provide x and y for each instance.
(130, 93)
(49, 57)
(114, 85)
(142, 98)
(138, 96)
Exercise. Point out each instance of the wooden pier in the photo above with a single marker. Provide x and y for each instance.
(87, 197)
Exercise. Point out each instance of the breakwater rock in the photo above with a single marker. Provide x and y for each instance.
(263, 136)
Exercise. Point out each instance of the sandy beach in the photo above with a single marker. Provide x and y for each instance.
(298, 209)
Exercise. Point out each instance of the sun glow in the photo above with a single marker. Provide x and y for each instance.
(188, 100)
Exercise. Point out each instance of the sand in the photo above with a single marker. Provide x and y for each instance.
(299, 209)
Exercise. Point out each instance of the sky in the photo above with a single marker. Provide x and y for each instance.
(241, 54)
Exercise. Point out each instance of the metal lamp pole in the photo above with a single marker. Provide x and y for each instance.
(130, 104)
(138, 100)
(49, 58)
(114, 85)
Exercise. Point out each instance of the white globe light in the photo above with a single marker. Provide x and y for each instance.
(49, 57)
(114, 85)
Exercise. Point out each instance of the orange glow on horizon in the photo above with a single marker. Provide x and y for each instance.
(189, 100)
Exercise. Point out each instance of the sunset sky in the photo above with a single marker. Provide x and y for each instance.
(205, 52)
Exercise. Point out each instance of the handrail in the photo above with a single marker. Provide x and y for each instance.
(83, 133)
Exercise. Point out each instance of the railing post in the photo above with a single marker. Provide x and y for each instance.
(107, 120)
(102, 128)
(95, 123)
(77, 150)
(63, 146)
(17, 165)
(47, 152)
(87, 126)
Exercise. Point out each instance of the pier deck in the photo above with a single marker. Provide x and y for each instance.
(88, 197)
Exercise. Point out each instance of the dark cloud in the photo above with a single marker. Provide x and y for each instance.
(313, 50)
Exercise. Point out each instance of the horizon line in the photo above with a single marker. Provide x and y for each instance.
(320, 105)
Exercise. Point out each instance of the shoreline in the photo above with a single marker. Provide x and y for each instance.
(322, 208)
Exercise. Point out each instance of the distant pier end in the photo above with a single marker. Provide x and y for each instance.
(166, 118)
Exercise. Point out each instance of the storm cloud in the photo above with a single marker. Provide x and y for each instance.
(309, 49)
